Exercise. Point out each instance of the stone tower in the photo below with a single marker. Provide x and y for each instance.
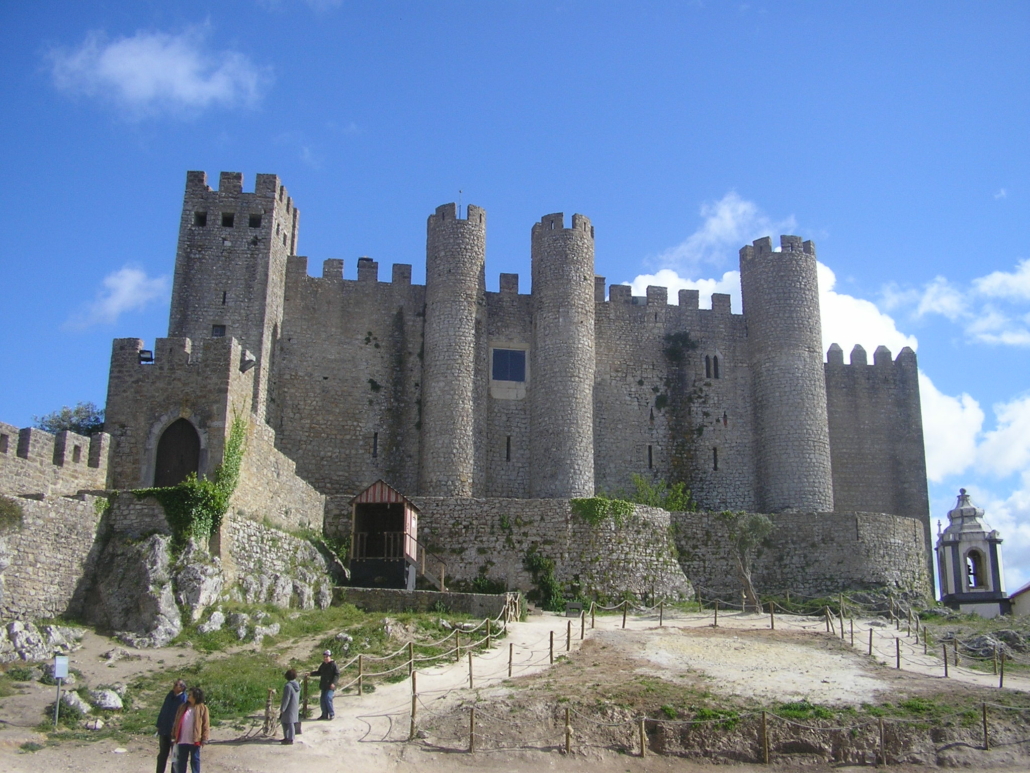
(230, 266)
(455, 296)
(784, 345)
(562, 359)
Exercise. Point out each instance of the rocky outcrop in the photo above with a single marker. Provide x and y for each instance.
(198, 581)
(25, 642)
(131, 593)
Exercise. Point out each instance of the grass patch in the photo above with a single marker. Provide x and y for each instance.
(30, 746)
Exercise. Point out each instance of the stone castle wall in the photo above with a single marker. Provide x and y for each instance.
(811, 554)
(44, 562)
(36, 462)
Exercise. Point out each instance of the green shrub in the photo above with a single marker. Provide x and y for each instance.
(11, 514)
(597, 510)
(548, 590)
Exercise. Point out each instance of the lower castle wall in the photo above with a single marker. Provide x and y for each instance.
(36, 462)
(491, 538)
(392, 600)
(42, 563)
(269, 487)
(811, 554)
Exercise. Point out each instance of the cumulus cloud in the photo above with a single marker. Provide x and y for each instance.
(1010, 515)
(848, 321)
(992, 310)
(1006, 449)
(951, 428)
(729, 283)
(128, 289)
(153, 72)
(728, 224)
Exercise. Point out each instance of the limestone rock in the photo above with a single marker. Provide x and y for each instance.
(214, 623)
(239, 621)
(198, 580)
(94, 724)
(106, 700)
(131, 592)
(261, 631)
(74, 702)
(25, 642)
(324, 595)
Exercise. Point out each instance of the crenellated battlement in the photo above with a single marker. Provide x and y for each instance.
(33, 461)
(788, 244)
(556, 222)
(882, 357)
(449, 213)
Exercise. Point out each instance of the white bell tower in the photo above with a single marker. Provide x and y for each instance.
(969, 562)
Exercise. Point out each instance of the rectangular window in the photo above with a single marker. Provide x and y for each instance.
(375, 445)
(650, 457)
(218, 331)
(509, 365)
(255, 221)
(507, 449)
(200, 219)
(5, 441)
(228, 219)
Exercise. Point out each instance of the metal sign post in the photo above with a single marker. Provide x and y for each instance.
(60, 674)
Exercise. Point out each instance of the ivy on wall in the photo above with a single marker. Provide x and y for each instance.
(597, 510)
(10, 514)
(195, 507)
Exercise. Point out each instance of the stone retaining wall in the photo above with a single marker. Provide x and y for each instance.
(36, 462)
(481, 605)
(812, 554)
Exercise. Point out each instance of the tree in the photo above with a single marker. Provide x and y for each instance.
(83, 419)
(746, 531)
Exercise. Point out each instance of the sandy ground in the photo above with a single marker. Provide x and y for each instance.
(741, 657)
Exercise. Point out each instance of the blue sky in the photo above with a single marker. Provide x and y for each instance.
(895, 135)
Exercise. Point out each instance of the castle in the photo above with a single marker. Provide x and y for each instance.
(484, 406)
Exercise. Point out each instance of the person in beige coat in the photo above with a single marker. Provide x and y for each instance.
(191, 730)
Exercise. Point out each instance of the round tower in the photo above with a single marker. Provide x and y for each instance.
(455, 290)
(780, 294)
(562, 358)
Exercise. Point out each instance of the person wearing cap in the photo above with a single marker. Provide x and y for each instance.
(328, 674)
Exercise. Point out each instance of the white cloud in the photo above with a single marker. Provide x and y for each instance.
(951, 427)
(153, 72)
(1006, 449)
(128, 289)
(1006, 284)
(1010, 515)
(848, 321)
(728, 224)
(1002, 193)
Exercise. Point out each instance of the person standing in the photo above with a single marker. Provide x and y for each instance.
(191, 730)
(328, 674)
(165, 721)
(289, 708)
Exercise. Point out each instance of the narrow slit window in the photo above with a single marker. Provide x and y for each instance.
(375, 445)
(650, 457)
(223, 297)
(200, 219)
(715, 366)
(507, 449)
(708, 366)
(715, 459)
(228, 220)
(974, 570)
(725, 419)
(5, 441)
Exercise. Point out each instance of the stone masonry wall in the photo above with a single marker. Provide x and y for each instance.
(491, 538)
(269, 488)
(813, 554)
(48, 556)
(36, 462)
(482, 605)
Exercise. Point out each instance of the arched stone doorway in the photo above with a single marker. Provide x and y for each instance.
(178, 454)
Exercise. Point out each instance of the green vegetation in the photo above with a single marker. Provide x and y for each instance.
(803, 710)
(597, 510)
(677, 345)
(194, 508)
(548, 592)
(30, 746)
(11, 514)
(747, 532)
(674, 497)
(83, 419)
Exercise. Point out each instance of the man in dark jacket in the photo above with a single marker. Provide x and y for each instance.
(328, 674)
(166, 719)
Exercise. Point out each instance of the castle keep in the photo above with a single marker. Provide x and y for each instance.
(490, 410)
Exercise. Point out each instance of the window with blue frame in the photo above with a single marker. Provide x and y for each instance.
(509, 365)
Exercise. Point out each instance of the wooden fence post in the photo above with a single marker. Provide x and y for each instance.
(488, 634)
(511, 655)
(582, 625)
(661, 613)
(765, 740)
(954, 648)
(995, 661)
(897, 652)
(625, 603)
(1001, 671)
(568, 636)
(772, 616)
(414, 706)
(944, 652)
(411, 658)
(471, 686)
(716, 623)
(827, 616)
(457, 645)
(568, 731)
(987, 739)
(267, 729)
(361, 677)
(643, 738)
(851, 623)
(591, 615)
(552, 648)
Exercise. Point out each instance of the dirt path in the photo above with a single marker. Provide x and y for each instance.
(741, 657)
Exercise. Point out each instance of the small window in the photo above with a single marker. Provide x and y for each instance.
(509, 365)
(5, 441)
(77, 454)
(975, 569)
(507, 449)
(715, 459)
(228, 220)
(200, 219)
(708, 366)
(375, 445)
(715, 366)
(224, 294)
(650, 457)
(218, 331)
(255, 221)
